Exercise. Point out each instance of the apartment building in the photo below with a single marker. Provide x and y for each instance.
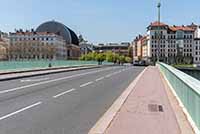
(121, 49)
(4, 43)
(26, 45)
(196, 51)
(172, 44)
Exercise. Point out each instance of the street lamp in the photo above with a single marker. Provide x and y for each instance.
(159, 34)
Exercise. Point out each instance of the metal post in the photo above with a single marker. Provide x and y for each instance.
(159, 34)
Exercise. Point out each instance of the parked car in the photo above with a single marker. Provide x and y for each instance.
(140, 63)
(136, 63)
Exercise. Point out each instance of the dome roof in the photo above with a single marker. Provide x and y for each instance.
(60, 29)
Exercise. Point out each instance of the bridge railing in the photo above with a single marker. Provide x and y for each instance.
(187, 89)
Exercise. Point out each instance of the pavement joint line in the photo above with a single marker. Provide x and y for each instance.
(86, 84)
(100, 79)
(104, 122)
(20, 110)
(49, 81)
(63, 93)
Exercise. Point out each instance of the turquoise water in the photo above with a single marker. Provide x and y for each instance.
(25, 65)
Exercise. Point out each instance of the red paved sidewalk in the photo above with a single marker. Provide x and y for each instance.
(139, 115)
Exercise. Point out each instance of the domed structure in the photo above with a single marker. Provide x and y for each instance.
(60, 29)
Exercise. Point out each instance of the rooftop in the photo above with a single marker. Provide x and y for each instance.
(156, 23)
(181, 28)
(31, 33)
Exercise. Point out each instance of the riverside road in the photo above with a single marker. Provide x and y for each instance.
(61, 103)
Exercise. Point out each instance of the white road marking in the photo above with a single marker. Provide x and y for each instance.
(21, 110)
(86, 84)
(100, 79)
(63, 93)
(108, 75)
(54, 80)
(33, 80)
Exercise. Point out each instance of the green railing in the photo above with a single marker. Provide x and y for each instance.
(36, 64)
(187, 89)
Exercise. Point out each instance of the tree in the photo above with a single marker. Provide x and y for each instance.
(82, 57)
(116, 58)
(100, 58)
(128, 60)
(122, 59)
(109, 56)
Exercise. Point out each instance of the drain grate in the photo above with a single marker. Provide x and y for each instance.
(155, 108)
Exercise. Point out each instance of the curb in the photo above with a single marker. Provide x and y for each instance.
(42, 69)
(189, 118)
(52, 71)
(104, 122)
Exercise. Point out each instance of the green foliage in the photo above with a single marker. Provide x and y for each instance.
(122, 59)
(108, 56)
(128, 60)
(100, 57)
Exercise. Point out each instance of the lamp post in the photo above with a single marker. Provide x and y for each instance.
(159, 34)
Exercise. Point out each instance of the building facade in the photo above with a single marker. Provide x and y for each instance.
(86, 47)
(4, 44)
(36, 45)
(3, 50)
(197, 51)
(50, 41)
(121, 49)
(172, 44)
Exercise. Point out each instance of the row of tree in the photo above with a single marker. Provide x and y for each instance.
(107, 56)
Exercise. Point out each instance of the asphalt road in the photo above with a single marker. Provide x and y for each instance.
(62, 103)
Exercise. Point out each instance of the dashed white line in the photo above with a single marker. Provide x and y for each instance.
(100, 79)
(49, 81)
(86, 84)
(108, 75)
(63, 93)
(33, 80)
(21, 110)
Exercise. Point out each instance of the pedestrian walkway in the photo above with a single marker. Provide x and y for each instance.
(147, 110)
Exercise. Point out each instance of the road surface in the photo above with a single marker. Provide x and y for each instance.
(62, 103)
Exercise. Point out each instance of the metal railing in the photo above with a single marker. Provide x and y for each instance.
(187, 89)
(38, 64)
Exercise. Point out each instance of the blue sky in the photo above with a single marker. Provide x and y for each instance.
(98, 21)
